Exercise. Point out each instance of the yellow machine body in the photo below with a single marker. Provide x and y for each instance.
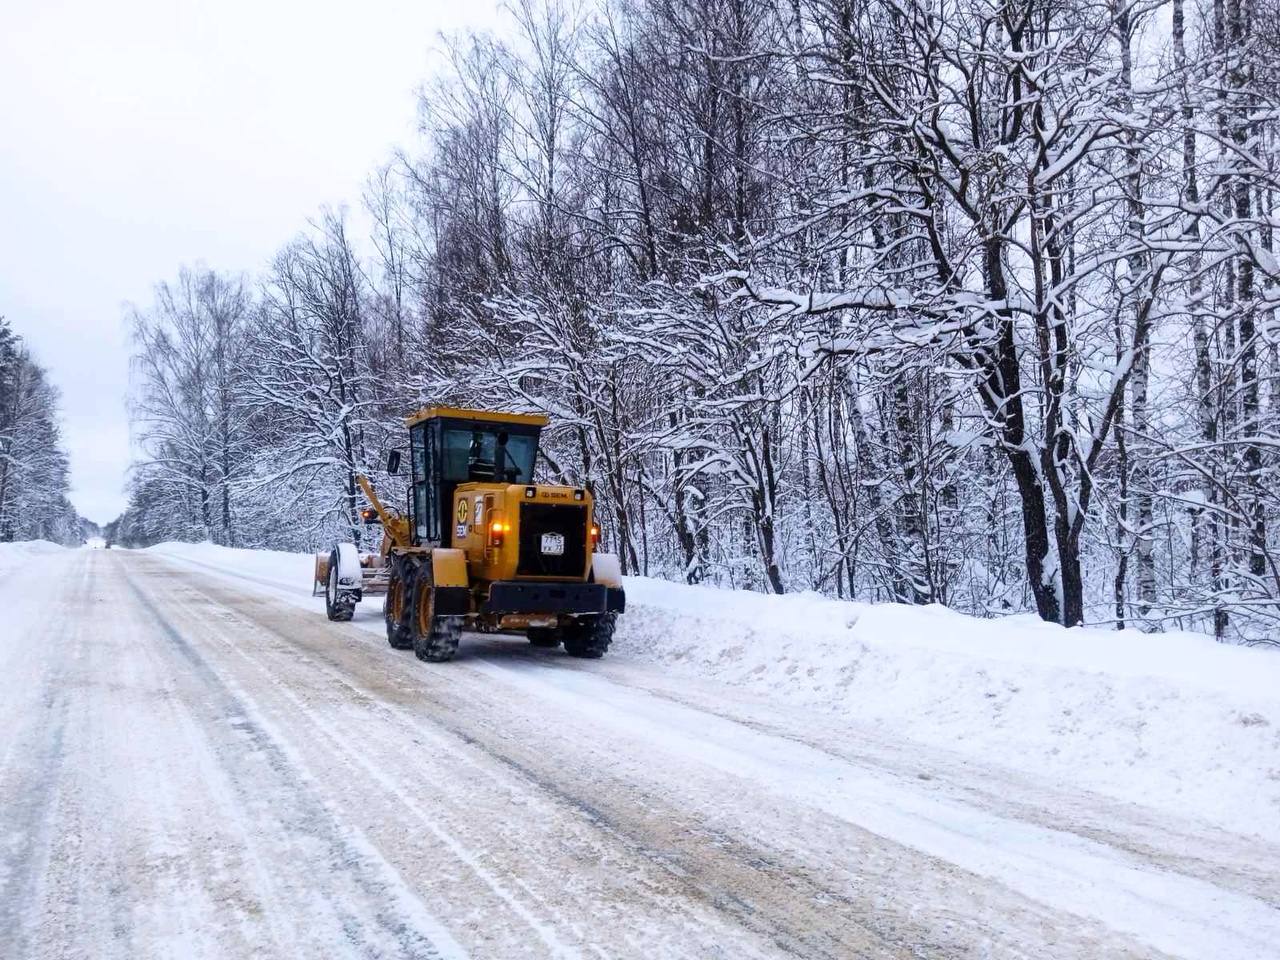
(480, 416)
(487, 527)
(480, 543)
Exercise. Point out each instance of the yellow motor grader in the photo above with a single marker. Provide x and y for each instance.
(480, 544)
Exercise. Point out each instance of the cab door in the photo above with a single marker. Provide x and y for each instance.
(424, 511)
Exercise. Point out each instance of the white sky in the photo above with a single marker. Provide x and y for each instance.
(139, 135)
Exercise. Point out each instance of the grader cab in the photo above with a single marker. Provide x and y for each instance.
(480, 545)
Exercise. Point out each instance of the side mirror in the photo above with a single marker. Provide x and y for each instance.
(393, 461)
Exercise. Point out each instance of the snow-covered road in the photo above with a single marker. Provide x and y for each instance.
(195, 766)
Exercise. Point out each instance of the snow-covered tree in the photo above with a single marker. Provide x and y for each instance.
(34, 468)
(954, 302)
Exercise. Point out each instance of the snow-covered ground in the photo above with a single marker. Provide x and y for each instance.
(1171, 720)
(197, 763)
(15, 555)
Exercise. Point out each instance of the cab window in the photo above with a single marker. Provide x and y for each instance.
(487, 454)
(426, 520)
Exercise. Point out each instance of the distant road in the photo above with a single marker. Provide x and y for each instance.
(194, 767)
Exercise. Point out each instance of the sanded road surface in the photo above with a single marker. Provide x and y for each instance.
(193, 768)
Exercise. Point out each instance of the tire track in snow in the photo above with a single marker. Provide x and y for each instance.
(28, 822)
(347, 860)
(741, 882)
(1060, 870)
(32, 781)
(395, 785)
(1201, 851)
(714, 866)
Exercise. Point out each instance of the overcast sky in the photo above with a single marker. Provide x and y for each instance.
(139, 135)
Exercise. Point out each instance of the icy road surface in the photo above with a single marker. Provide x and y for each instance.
(198, 766)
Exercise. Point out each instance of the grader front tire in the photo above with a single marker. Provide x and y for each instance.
(336, 607)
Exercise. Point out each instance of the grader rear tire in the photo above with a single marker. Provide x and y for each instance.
(435, 639)
(396, 608)
(589, 637)
(336, 608)
(548, 637)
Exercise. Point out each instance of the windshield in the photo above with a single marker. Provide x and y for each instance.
(487, 453)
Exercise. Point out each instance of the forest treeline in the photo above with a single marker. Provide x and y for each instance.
(35, 477)
(967, 302)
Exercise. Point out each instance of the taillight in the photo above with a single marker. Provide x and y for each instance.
(595, 535)
(498, 531)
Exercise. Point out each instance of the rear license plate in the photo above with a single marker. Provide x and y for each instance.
(553, 544)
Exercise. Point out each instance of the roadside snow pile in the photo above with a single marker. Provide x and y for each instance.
(288, 573)
(1171, 720)
(17, 554)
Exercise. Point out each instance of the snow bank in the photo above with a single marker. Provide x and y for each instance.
(289, 573)
(1173, 721)
(20, 553)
